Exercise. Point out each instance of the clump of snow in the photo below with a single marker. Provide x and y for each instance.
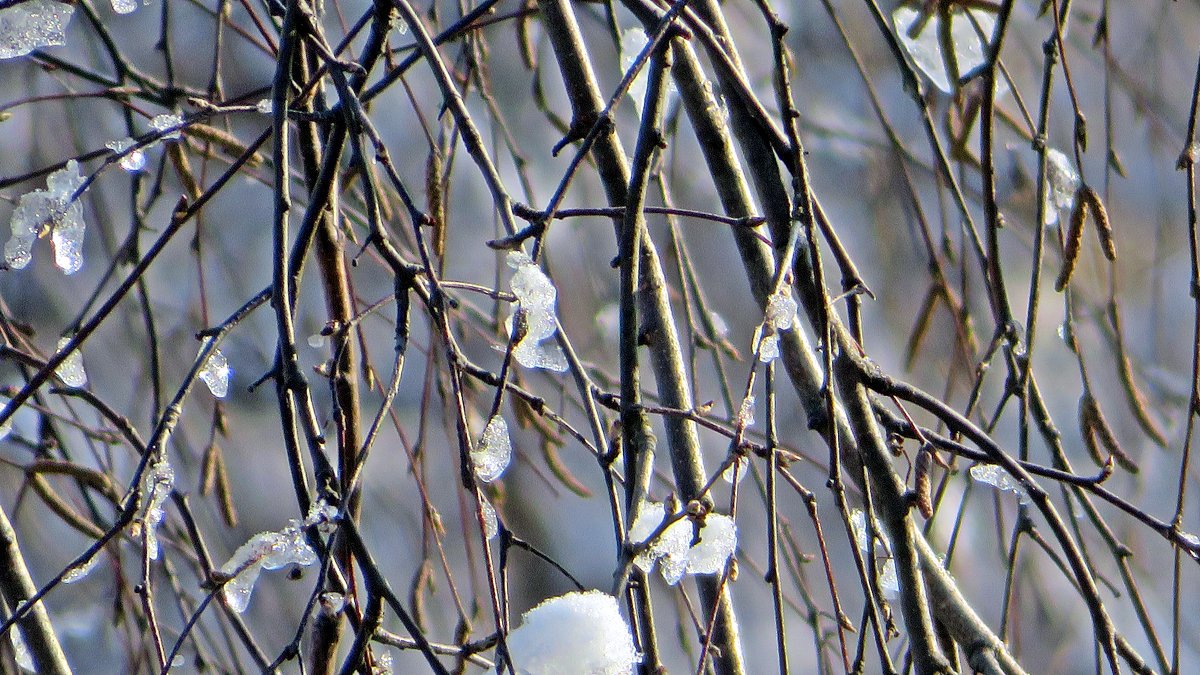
(736, 471)
(33, 25)
(745, 415)
(673, 549)
(269, 551)
(885, 571)
(134, 161)
(161, 123)
(578, 633)
(264, 106)
(71, 371)
(768, 348)
(157, 483)
(781, 309)
(216, 373)
(1062, 182)
(491, 526)
(1000, 479)
(51, 210)
(537, 297)
(925, 46)
(494, 451)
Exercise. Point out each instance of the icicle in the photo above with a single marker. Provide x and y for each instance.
(21, 650)
(33, 25)
(157, 483)
(264, 551)
(50, 210)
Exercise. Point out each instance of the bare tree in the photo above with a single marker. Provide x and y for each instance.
(463, 307)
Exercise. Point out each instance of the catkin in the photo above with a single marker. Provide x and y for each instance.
(1103, 227)
(1079, 214)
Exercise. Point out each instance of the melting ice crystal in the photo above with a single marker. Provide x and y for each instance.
(1062, 182)
(164, 122)
(1000, 479)
(272, 551)
(134, 161)
(537, 296)
(215, 373)
(32, 25)
(673, 548)
(925, 45)
(71, 371)
(581, 633)
(886, 570)
(51, 210)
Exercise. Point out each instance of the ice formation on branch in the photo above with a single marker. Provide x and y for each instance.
(1000, 479)
(578, 633)
(272, 551)
(264, 106)
(925, 45)
(494, 451)
(133, 162)
(491, 526)
(633, 40)
(673, 549)
(49, 211)
(768, 348)
(537, 296)
(745, 415)
(1062, 182)
(124, 6)
(71, 371)
(781, 309)
(157, 483)
(81, 570)
(163, 122)
(21, 650)
(33, 25)
(215, 373)
(886, 570)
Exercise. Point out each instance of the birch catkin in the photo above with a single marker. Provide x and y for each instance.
(1079, 213)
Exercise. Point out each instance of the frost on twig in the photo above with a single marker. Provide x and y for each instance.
(33, 25)
(157, 483)
(889, 584)
(537, 297)
(71, 371)
(493, 453)
(1062, 183)
(1000, 479)
(779, 316)
(573, 633)
(162, 123)
(491, 526)
(51, 211)
(673, 549)
(81, 570)
(923, 41)
(272, 551)
(216, 373)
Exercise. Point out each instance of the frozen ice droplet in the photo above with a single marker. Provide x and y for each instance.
(745, 415)
(1062, 182)
(537, 297)
(124, 6)
(67, 239)
(491, 527)
(49, 211)
(134, 161)
(265, 106)
(157, 483)
(781, 309)
(736, 471)
(216, 373)
(32, 25)
(633, 40)
(81, 570)
(494, 451)
(768, 348)
(70, 371)
(574, 633)
(1000, 479)
(264, 551)
(923, 41)
(21, 650)
(161, 123)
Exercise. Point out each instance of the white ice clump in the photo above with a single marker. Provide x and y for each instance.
(925, 47)
(633, 40)
(51, 210)
(577, 633)
(134, 161)
(537, 296)
(21, 650)
(215, 373)
(886, 570)
(781, 309)
(383, 662)
(768, 348)
(33, 25)
(124, 6)
(71, 371)
(494, 451)
(745, 415)
(718, 539)
(1062, 182)
(81, 570)
(673, 549)
(163, 122)
(1000, 479)
(272, 551)
(157, 483)
(491, 527)
(736, 471)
